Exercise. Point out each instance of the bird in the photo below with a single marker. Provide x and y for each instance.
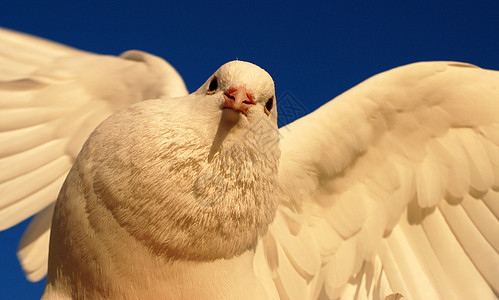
(389, 189)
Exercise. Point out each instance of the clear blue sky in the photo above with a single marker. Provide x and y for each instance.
(313, 51)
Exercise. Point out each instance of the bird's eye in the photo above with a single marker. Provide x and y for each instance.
(269, 105)
(213, 86)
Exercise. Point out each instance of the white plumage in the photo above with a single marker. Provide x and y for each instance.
(392, 187)
(51, 98)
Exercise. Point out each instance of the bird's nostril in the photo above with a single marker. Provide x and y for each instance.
(230, 96)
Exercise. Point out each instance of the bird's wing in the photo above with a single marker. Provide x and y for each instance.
(392, 187)
(51, 99)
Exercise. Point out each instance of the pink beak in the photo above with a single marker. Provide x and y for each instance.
(238, 99)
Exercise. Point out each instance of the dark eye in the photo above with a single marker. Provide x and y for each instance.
(269, 105)
(213, 86)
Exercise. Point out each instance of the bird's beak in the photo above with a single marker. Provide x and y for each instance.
(238, 98)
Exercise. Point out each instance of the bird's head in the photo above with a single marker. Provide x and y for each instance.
(242, 89)
(240, 97)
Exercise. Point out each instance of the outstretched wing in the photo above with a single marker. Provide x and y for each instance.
(51, 99)
(392, 187)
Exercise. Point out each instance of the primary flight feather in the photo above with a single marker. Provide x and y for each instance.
(389, 188)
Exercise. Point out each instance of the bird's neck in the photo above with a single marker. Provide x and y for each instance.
(130, 220)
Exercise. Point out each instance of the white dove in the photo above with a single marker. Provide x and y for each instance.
(390, 188)
(168, 198)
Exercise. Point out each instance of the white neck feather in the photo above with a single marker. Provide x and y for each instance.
(147, 211)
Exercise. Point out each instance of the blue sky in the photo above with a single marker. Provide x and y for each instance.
(314, 51)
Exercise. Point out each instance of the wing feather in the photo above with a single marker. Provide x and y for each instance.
(409, 272)
(30, 204)
(24, 162)
(480, 167)
(35, 240)
(491, 199)
(51, 99)
(428, 259)
(22, 54)
(465, 279)
(483, 219)
(476, 246)
(296, 252)
(398, 175)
